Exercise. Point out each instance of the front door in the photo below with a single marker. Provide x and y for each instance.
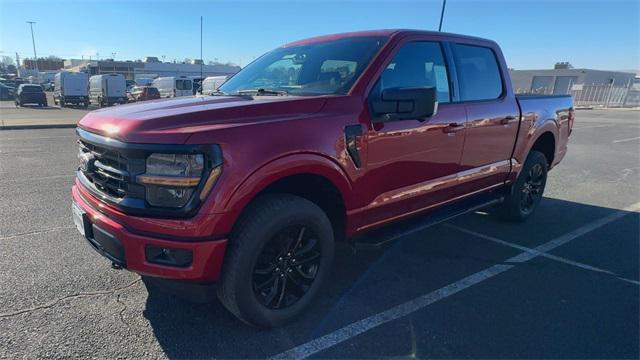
(412, 165)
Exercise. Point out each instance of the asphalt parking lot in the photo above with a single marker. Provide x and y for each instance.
(33, 116)
(565, 284)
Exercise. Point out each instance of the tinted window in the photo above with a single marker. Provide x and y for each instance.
(31, 88)
(478, 73)
(418, 64)
(183, 84)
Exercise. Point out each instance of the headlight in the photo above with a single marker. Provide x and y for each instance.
(171, 179)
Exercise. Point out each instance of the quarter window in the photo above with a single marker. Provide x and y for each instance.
(418, 64)
(478, 73)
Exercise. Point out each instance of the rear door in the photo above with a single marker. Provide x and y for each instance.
(412, 164)
(492, 116)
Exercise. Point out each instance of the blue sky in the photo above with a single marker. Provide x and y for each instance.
(533, 34)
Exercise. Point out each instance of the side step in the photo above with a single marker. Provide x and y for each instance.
(380, 237)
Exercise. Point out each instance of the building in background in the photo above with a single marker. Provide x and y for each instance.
(152, 68)
(588, 87)
(44, 64)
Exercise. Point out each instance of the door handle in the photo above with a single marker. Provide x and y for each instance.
(453, 128)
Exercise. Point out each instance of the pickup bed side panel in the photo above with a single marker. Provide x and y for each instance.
(540, 115)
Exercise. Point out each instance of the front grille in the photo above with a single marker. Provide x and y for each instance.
(105, 168)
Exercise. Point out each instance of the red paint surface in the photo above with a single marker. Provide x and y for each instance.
(407, 166)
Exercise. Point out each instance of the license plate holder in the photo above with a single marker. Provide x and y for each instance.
(78, 218)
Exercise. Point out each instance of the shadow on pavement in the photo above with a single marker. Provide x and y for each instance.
(367, 282)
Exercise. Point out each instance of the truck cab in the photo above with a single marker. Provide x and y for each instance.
(318, 141)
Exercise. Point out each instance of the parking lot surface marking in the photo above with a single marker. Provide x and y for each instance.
(591, 127)
(359, 327)
(39, 178)
(543, 254)
(12, 236)
(625, 140)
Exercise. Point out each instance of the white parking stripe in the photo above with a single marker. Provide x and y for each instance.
(343, 334)
(591, 126)
(625, 140)
(548, 256)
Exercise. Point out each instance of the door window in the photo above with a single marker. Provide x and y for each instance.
(478, 73)
(418, 64)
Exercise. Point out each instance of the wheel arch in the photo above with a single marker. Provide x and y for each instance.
(311, 176)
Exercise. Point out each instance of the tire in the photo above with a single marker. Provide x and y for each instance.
(525, 194)
(256, 238)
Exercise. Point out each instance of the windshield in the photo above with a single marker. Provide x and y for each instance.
(322, 68)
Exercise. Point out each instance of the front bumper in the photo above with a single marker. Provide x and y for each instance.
(127, 249)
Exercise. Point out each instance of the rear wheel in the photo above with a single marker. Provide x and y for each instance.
(279, 254)
(525, 194)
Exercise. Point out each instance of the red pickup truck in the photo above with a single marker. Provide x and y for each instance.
(315, 142)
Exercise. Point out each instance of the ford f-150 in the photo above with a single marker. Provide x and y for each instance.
(315, 142)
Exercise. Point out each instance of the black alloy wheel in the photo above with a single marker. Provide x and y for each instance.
(532, 188)
(286, 267)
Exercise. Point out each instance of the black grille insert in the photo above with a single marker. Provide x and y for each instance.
(105, 168)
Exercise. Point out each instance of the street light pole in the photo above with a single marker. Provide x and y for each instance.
(35, 57)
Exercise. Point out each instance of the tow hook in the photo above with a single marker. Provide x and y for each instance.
(116, 266)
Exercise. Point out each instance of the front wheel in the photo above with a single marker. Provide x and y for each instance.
(525, 194)
(280, 253)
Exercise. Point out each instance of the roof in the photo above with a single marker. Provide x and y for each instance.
(380, 33)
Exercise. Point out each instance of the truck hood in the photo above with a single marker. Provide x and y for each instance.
(172, 121)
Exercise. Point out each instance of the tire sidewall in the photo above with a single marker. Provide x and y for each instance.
(248, 304)
(534, 158)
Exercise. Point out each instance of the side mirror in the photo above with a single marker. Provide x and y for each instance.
(394, 104)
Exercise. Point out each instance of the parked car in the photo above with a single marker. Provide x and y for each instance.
(30, 94)
(106, 90)
(143, 93)
(7, 92)
(315, 142)
(211, 84)
(173, 86)
(71, 88)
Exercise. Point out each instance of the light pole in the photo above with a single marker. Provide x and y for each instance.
(35, 57)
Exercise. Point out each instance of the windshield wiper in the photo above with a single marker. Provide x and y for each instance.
(262, 92)
(222, 93)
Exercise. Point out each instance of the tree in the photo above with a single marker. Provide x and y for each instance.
(6, 60)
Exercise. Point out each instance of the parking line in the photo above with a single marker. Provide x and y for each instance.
(359, 327)
(543, 254)
(625, 140)
(38, 138)
(591, 126)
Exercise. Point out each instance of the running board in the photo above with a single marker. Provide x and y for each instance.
(380, 237)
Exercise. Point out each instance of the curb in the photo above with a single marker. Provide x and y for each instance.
(38, 126)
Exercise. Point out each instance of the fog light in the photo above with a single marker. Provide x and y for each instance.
(168, 256)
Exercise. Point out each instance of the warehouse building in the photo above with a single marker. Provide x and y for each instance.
(563, 78)
(135, 69)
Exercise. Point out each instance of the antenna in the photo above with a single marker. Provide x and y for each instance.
(201, 59)
(444, 4)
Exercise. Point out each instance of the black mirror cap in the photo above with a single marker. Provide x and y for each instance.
(415, 103)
